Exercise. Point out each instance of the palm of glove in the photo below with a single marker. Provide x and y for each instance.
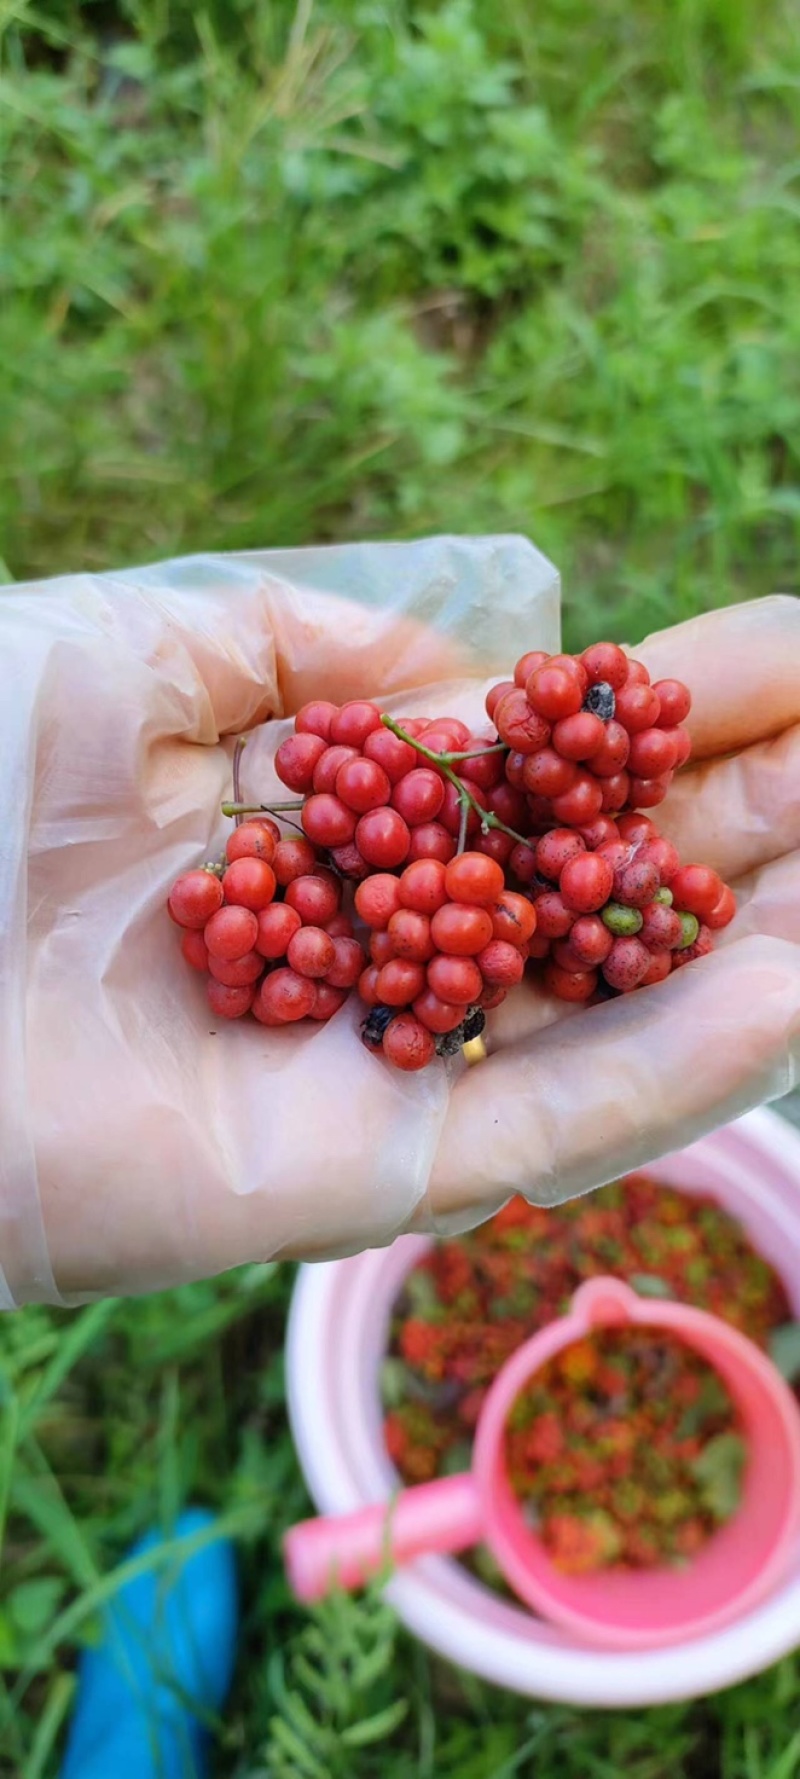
(165, 1149)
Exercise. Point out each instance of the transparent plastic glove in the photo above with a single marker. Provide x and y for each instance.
(570, 1099)
(139, 1145)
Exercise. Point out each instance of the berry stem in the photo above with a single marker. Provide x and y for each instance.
(476, 753)
(462, 823)
(237, 773)
(234, 809)
(485, 816)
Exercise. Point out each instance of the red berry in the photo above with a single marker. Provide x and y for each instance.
(381, 948)
(704, 943)
(315, 718)
(496, 845)
(238, 973)
(486, 769)
(459, 930)
(519, 725)
(195, 950)
(296, 758)
(586, 883)
(553, 692)
(590, 941)
(438, 1016)
(383, 838)
(636, 883)
(501, 965)
(407, 1044)
(423, 886)
(455, 979)
(475, 879)
(508, 804)
(545, 774)
(527, 664)
(249, 883)
(599, 832)
(329, 765)
(431, 841)
(636, 828)
(265, 821)
(578, 737)
(368, 985)
(652, 754)
(627, 963)
(354, 722)
(539, 946)
(410, 934)
(522, 862)
(661, 928)
(675, 700)
(580, 804)
(697, 890)
(647, 793)
(553, 919)
(229, 1003)
(194, 898)
(341, 927)
(399, 982)
(513, 918)
(348, 963)
(419, 796)
(378, 898)
(311, 952)
(387, 750)
(612, 754)
(445, 735)
(250, 841)
(554, 849)
(637, 708)
(327, 1000)
(293, 858)
(570, 985)
(604, 661)
(637, 674)
(284, 997)
(565, 956)
(492, 997)
(316, 898)
(660, 969)
(515, 766)
(231, 932)
(362, 785)
(497, 692)
(721, 914)
(616, 791)
(683, 746)
(276, 926)
(348, 860)
(664, 856)
(450, 813)
(328, 822)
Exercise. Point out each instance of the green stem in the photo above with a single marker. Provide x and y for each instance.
(237, 773)
(486, 817)
(234, 809)
(462, 825)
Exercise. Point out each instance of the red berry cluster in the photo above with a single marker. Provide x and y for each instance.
(562, 867)
(268, 929)
(447, 943)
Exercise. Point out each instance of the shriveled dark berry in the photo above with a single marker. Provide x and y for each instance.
(375, 1025)
(449, 1043)
(600, 700)
(473, 1024)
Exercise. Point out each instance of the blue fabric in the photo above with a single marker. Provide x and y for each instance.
(163, 1666)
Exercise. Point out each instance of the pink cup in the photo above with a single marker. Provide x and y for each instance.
(620, 1609)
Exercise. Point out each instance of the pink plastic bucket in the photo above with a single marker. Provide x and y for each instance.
(337, 1338)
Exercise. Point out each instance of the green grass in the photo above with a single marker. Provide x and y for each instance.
(369, 268)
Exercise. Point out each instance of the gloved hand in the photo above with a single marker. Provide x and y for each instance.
(163, 1149)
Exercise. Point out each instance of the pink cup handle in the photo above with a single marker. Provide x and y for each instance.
(345, 1551)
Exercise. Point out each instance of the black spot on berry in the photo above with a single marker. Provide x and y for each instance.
(473, 1024)
(600, 701)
